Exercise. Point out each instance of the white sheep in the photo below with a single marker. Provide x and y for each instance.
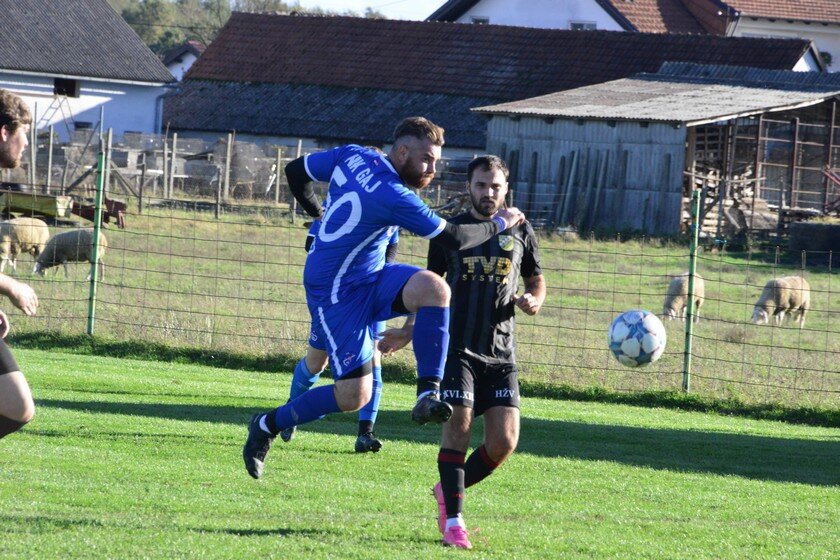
(21, 235)
(780, 295)
(75, 245)
(676, 300)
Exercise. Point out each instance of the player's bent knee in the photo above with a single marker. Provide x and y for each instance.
(426, 289)
(500, 449)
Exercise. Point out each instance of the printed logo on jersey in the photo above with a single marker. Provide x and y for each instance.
(506, 242)
(505, 393)
(486, 269)
(312, 336)
(348, 359)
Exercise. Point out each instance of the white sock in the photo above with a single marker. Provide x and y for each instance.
(457, 520)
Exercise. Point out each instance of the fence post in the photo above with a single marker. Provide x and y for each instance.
(142, 184)
(165, 177)
(97, 225)
(49, 160)
(277, 176)
(692, 270)
(294, 200)
(33, 152)
(228, 155)
(172, 159)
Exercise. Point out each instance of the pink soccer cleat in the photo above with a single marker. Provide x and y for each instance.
(438, 492)
(456, 536)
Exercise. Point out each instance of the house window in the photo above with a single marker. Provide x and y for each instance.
(582, 25)
(66, 86)
(480, 20)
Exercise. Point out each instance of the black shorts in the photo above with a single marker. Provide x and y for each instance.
(8, 364)
(479, 385)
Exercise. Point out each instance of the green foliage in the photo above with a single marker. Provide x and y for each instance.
(136, 459)
(165, 24)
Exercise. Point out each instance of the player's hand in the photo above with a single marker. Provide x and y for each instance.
(4, 325)
(528, 303)
(393, 340)
(512, 216)
(23, 297)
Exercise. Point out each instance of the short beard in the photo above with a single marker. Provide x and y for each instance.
(6, 159)
(476, 204)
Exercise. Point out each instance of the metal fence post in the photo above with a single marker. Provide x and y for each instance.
(97, 225)
(277, 176)
(33, 152)
(172, 160)
(293, 206)
(692, 270)
(228, 155)
(48, 178)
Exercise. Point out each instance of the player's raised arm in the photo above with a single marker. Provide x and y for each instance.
(300, 183)
(466, 236)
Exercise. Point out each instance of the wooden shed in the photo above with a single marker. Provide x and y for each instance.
(624, 155)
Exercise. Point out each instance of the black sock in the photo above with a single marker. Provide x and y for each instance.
(451, 469)
(365, 426)
(478, 467)
(8, 426)
(427, 384)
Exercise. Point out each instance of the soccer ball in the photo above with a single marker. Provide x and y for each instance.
(637, 338)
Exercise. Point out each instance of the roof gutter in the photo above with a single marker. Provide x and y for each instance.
(76, 77)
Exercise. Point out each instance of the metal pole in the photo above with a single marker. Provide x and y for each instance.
(172, 159)
(49, 160)
(298, 151)
(97, 223)
(33, 150)
(228, 155)
(165, 176)
(142, 185)
(277, 176)
(692, 269)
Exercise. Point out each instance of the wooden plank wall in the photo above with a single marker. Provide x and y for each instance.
(594, 174)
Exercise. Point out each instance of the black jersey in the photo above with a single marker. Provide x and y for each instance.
(484, 281)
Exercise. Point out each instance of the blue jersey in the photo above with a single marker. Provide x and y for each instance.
(313, 233)
(366, 201)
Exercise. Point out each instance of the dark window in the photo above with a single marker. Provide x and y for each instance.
(66, 86)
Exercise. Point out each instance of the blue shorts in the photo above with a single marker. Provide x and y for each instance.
(346, 330)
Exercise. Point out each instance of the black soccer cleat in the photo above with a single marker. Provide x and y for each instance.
(431, 409)
(288, 434)
(368, 442)
(256, 447)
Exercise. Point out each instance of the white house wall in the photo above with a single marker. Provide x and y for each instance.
(640, 170)
(178, 69)
(547, 14)
(826, 37)
(128, 107)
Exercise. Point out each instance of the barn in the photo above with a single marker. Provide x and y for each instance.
(624, 155)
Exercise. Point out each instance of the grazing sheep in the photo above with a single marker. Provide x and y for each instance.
(75, 245)
(780, 295)
(676, 300)
(21, 235)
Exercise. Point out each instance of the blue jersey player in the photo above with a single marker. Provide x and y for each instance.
(309, 369)
(349, 287)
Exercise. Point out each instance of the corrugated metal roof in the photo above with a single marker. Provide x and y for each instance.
(682, 93)
(84, 38)
(336, 113)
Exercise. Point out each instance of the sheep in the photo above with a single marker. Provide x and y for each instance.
(21, 235)
(676, 300)
(71, 246)
(780, 295)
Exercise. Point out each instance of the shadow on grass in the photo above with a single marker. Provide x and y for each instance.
(400, 373)
(755, 457)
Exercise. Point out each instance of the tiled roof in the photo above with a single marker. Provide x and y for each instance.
(807, 10)
(192, 47)
(654, 16)
(83, 38)
(492, 61)
(682, 93)
(452, 10)
(330, 112)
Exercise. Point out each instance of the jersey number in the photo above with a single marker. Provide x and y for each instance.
(353, 219)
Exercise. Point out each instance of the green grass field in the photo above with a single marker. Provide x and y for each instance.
(136, 459)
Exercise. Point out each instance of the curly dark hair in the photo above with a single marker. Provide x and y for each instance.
(13, 111)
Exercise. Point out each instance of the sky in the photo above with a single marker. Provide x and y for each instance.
(393, 9)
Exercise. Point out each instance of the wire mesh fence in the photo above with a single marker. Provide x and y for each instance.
(190, 270)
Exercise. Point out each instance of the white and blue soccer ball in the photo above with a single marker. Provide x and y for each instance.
(637, 338)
